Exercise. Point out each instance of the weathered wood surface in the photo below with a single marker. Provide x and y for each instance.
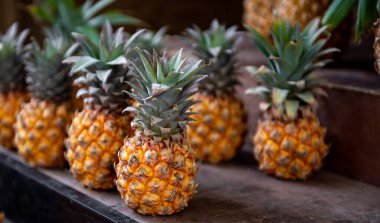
(240, 193)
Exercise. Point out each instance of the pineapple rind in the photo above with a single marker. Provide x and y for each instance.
(94, 139)
(216, 133)
(10, 106)
(154, 178)
(40, 132)
(290, 150)
(260, 14)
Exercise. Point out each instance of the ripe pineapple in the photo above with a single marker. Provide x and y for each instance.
(97, 132)
(289, 142)
(156, 169)
(12, 86)
(219, 124)
(41, 124)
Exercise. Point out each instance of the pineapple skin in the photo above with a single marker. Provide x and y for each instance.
(290, 150)
(155, 179)
(94, 138)
(217, 131)
(40, 133)
(260, 14)
(11, 104)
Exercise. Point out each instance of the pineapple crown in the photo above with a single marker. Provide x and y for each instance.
(149, 41)
(47, 77)
(287, 85)
(102, 68)
(368, 12)
(12, 51)
(162, 90)
(70, 17)
(215, 46)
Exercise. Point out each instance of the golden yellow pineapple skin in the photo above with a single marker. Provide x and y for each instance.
(10, 106)
(40, 132)
(94, 138)
(260, 14)
(155, 179)
(218, 129)
(290, 150)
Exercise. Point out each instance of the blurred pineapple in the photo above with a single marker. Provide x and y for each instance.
(98, 131)
(12, 86)
(289, 142)
(41, 124)
(219, 124)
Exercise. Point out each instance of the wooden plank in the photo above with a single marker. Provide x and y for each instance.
(240, 193)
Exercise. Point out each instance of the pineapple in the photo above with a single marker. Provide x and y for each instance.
(289, 142)
(156, 169)
(219, 124)
(368, 15)
(97, 132)
(41, 124)
(12, 86)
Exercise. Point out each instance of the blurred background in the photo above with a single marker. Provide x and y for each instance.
(177, 15)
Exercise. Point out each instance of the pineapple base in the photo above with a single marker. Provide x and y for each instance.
(94, 138)
(10, 106)
(155, 179)
(217, 131)
(290, 150)
(40, 133)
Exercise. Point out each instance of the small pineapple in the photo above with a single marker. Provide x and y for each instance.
(289, 142)
(219, 123)
(156, 169)
(41, 124)
(97, 132)
(12, 86)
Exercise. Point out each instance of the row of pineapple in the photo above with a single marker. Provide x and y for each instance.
(145, 116)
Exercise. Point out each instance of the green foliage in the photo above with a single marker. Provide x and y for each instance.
(47, 77)
(12, 43)
(69, 17)
(162, 90)
(288, 84)
(149, 41)
(12, 51)
(212, 42)
(103, 67)
(367, 13)
(215, 46)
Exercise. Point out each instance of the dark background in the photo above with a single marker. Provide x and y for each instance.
(176, 14)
